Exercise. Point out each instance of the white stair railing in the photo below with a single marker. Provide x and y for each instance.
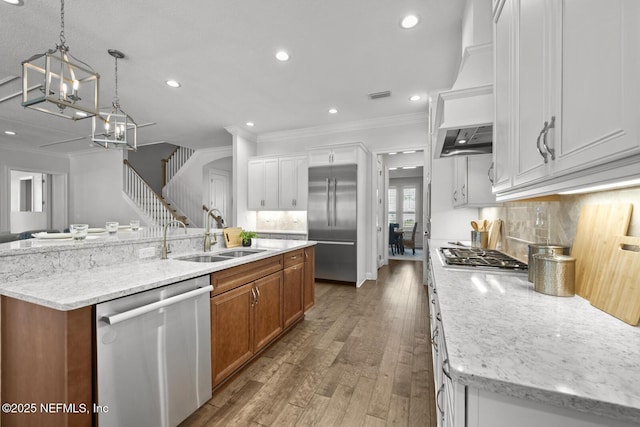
(146, 199)
(175, 161)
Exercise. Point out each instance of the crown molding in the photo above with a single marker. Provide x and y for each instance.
(382, 122)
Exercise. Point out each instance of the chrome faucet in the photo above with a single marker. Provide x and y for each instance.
(207, 231)
(165, 250)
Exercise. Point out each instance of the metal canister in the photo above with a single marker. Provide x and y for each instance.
(544, 248)
(555, 275)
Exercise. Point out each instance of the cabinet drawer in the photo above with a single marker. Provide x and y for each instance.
(293, 257)
(233, 277)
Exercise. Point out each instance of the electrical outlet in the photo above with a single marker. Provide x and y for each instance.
(146, 252)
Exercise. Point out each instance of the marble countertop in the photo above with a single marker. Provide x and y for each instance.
(504, 337)
(302, 232)
(68, 291)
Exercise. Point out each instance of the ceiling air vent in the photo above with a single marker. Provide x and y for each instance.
(378, 95)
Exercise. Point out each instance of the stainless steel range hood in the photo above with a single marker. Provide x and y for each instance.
(464, 114)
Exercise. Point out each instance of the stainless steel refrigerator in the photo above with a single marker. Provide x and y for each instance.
(332, 221)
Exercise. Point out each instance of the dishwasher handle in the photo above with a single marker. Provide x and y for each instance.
(138, 311)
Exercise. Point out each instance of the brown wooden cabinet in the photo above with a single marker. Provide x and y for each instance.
(309, 291)
(293, 303)
(268, 309)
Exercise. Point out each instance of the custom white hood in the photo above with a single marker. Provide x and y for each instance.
(464, 115)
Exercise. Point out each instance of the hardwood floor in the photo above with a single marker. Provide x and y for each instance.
(360, 357)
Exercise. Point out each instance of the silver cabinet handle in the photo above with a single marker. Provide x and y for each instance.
(550, 125)
(139, 311)
(257, 295)
(455, 196)
(440, 390)
(462, 190)
(253, 297)
(490, 173)
(542, 153)
(445, 364)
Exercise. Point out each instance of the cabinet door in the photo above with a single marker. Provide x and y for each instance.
(344, 156)
(263, 185)
(293, 293)
(231, 331)
(268, 309)
(459, 196)
(293, 183)
(479, 186)
(600, 42)
(309, 290)
(533, 40)
(503, 128)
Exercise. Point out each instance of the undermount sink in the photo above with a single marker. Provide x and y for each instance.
(240, 252)
(204, 258)
(221, 256)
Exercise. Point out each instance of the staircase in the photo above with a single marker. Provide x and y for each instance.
(172, 164)
(148, 201)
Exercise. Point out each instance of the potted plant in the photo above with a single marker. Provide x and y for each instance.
(246, 237)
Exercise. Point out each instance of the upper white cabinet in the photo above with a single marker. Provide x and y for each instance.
(294, 177)
(263, 184)
(277, 183)
(566, 94)
(472, 181)
(334, 156)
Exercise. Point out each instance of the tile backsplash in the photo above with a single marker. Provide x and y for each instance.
(553, 219)
(281, 220)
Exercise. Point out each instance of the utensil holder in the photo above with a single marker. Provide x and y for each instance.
(555, 275)
(479, 239)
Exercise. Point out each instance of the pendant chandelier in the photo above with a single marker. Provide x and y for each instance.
(114, 128)
(67, 86)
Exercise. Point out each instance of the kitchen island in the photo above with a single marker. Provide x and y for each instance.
(48, 320)
(512, 356)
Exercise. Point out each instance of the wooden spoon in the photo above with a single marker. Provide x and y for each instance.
(474, 225)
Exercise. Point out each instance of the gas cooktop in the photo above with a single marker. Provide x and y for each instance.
(487, 259)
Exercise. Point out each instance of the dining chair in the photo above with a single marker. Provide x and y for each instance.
(393, 238)
(411, 243)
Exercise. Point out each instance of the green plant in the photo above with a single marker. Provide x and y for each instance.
(247, 235)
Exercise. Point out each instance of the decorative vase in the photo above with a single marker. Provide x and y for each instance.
(246, 243)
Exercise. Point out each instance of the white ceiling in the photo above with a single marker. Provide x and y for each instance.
(222, 51)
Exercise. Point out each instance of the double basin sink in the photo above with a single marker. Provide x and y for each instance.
(221, 256)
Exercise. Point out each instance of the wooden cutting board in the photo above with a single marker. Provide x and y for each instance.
(232, 236)
(619, 290)
(596, 226)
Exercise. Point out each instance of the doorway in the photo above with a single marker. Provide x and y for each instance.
(38, 201)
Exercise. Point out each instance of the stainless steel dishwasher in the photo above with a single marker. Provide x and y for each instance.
(154, 355)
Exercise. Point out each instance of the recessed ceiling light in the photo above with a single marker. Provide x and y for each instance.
(409, 152)
(250, 124)
(409, 21)
(14, 2)
(333, 111)
(409, 167)
(9, 132)
(282, 55)
(415, 98)
(173, 83)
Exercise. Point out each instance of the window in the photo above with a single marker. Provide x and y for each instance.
(391, 202)
(408, 207)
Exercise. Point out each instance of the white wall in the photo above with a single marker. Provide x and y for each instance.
(244, 146)
(28, 161)
(96, 189)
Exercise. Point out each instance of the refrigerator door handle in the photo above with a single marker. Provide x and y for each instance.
(327, 201)
(335, 197)
(330, 242)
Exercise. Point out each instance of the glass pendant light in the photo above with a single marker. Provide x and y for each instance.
(56, 82)
(115, 128)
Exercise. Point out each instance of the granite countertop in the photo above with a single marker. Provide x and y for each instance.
(504, 337)
(301, 232)
(71, 290)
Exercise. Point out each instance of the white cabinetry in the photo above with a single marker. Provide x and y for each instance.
(334, 156)
(293, 183)
(472, 185)
(277, 183)
(566, 94)
(263, 184)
